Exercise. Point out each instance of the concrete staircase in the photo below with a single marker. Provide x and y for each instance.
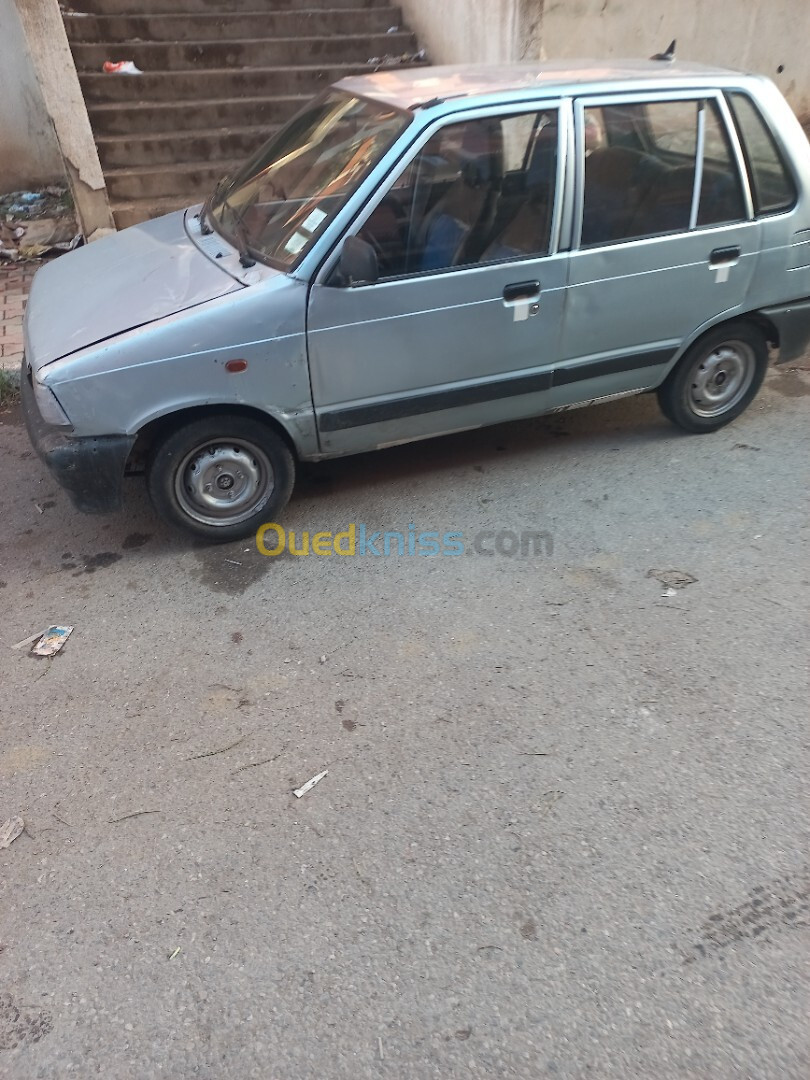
(219, 77)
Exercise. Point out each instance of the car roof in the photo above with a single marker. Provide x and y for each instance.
(409, 88)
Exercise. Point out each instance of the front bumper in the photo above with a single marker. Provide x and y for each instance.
(90, 469)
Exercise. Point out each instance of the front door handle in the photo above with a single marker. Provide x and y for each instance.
(522, 290)
(723, 255)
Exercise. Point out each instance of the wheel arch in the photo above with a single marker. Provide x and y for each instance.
(755, 318)
(157, 429)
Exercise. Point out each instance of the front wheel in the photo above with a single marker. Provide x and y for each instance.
(716, 379)
(221, 477)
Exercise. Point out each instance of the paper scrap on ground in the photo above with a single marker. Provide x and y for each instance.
(52, 640)
(310, 784)
(10, 830)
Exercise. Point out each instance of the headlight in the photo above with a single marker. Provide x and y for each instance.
(50, 409)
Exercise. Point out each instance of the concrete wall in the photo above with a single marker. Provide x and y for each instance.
(464, 31)
(755, 35)
(29, 152)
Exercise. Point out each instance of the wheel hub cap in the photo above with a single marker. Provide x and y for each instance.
(224, 483)
(721, 379)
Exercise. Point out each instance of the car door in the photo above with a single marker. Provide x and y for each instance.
(462, 326)
(664, 241)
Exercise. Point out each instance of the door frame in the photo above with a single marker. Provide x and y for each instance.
(564, 181)
(653, 97)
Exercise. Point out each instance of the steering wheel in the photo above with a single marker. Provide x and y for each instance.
(373, 242)
(400, 216)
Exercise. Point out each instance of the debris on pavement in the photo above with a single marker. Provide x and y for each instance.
(670, 592)
(10, 830)
(310, 784)
(389, 61)
(221, 750)
(134, 814)
(28, 641)
(33, 248)
(175, 953)
(10, 241)
(673, 579)
(33, 224)
(547, 801)
(53, 201)
(52, 640)
(120, 67)
(264, 761)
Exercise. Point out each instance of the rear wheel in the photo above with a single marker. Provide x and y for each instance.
(221, 477)
(716, 379)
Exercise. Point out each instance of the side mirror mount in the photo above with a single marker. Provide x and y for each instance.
(358, 263)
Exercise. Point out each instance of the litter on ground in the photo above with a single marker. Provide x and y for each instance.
(52, 640)
(673, 579)
(26, 642)
(120, 67)
(10, 830)
(310, 784)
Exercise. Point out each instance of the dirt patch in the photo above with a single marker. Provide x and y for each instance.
(784, 904)
(231, 569)
(791, 384)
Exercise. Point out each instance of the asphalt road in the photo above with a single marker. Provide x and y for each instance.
(564, 830)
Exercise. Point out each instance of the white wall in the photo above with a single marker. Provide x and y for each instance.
(752, 35)
(755, 35)
(29, 152)
(464, 31)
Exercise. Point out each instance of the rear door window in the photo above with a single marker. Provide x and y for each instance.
(640, 164)
(641, 170)
(772, 185)
(721, 193)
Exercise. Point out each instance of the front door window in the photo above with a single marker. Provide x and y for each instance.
(478, 192)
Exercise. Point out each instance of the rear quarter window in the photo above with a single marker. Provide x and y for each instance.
(772, 185)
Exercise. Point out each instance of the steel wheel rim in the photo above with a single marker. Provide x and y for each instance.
(224, 481)
(721, 379)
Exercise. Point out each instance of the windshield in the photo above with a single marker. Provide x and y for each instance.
(285, 196)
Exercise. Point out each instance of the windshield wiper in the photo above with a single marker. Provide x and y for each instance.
(240, 234)
(205, 228)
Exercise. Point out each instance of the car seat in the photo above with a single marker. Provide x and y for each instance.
(459, 222)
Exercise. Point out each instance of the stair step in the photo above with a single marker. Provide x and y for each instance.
(153, 118)
(138, 210)
(217, 82)
(173, 7)
(223, 26)
(216, 144)
(219, 78)
(191, 180)
(159, 56)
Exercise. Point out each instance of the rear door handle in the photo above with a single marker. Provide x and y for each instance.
(724, 255)
(522, 290)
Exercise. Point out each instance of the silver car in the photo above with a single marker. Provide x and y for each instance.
(422, 252)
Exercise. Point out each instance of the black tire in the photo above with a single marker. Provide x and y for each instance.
(716, 379)
(221, 477)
